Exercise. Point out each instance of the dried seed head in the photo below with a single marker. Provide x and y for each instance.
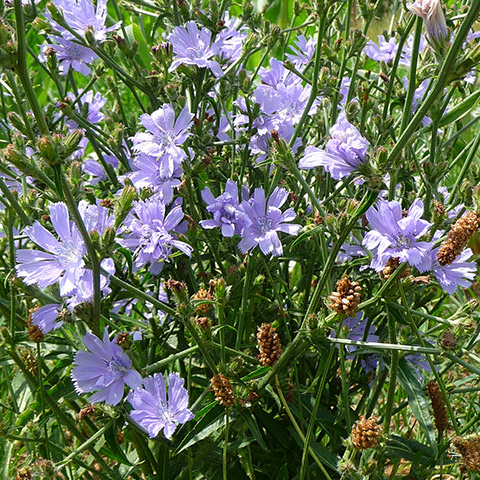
(438, 209)
(448, 340)
(458, 237)
(202, 294)
(24, 474)
(346, 298)
(469, 449)
(438, 405)
(34, 332)
(29, 359)
(222, 388)
(87, 411)
(203, 322)
(392, 264)
(366, 432)
(269, 344)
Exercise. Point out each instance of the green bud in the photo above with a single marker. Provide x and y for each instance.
(47, 148)
(56, 14)
(108, 239)
(76, 172)
(275, 33)
(90, 36)
(123, 205)
(71, 142)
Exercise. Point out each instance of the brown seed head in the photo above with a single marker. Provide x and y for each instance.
(458, 237)
(87, 411)
(269, 345)
(24, 474)
(392, 264)
(203, 322)
(29, 359)
(366, 432)
(438, 405)
(469, 449)
(448, 340)
(202, 294)
(346, 298)
(34, 332)
(222, 388)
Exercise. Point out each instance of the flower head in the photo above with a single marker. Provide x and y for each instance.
(265, 220)
(164, 137)
(393, 234)
(63, 259)
(70, 55)
(193, 46)
(459, 273)
(304, 51)
(45, 318)
(151, 234)
(153, 411)
(343, 154)
(384, 51)
(225, 210)
(105, 368)
(81, 15)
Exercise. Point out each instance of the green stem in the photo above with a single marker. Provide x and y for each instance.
(392, 384)
(225, 448)
(14, 203)
(298, 429)
(22, 70)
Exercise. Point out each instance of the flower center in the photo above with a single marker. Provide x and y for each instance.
(264, 224)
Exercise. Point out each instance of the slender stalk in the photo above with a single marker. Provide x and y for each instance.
(392, 331)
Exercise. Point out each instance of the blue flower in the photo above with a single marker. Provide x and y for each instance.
(193, 46)
(265, 220)
(153, 411)
(105, 368)
(151, 236)
(384, 51)
(45, 318)
(394, 235)
(343, 154)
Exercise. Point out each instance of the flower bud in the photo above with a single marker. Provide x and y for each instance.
(432, 14)
(123, 205)
(47, 148)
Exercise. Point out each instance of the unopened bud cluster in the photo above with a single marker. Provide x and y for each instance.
(269, 345)
(222, 388)
(366, 432)
(458, 237)
(346, 298)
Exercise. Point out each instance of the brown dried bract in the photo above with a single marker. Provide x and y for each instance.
(269, 345)
(458, 237)
(346, 298)
(366, 432)
(438, 405)
(222, 388)
(202, 294)
(392, 264)
(469, 449)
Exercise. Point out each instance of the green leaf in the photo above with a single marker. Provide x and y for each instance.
(134, 33)
(254, 428)
(211, 422)
(283, 473)
(460, 110)
(417, 401)
(115, 452)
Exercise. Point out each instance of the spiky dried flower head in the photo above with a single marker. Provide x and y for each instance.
(469, 448)
(346, 298)
(202, 322)
(438, 405)
(202, 294)
(24, 474)
(34, 332)
(366, 432)
(29, 359)
(392, 264)
(269, 345)
(458, 237)
(87, 411)
(222, 388)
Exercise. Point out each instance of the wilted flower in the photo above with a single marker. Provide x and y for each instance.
(395, 235)
(343, 154)
(153, 411)
(384, 51)
(432, 14)
(151, 236)
(265, 220)
(192, 46)
(106, 367)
